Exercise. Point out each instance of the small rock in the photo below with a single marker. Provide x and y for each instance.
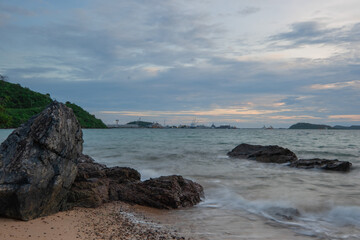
(268, 154)
(325, 164)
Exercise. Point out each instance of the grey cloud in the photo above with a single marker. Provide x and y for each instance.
(291, 100)
(308, 33)
(10, 9)
(153, 33)
(33, 70)
(248, 11)
(158, 24)
(313, 32)
(353, 35)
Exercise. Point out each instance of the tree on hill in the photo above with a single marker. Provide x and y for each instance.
(5, 119)
(18, 104)
(85, 118)
(3, 78)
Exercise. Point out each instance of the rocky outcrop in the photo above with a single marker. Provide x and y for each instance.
(96, 184)
(164, 192)
(325, 164)
(268, 154)
(38, 163)
(43, 171)
(276, 154)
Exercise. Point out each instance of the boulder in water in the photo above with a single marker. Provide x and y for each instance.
(267, 154)
(325, 164)
(281, 213)
(276, 154)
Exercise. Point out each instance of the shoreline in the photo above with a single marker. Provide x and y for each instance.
(115, 220)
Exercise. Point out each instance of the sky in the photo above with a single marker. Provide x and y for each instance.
(246, 63)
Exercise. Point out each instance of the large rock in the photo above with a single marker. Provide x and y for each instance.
(268, 154)
(164, 192)
(96, 184)
(38, 163)
(325, 164)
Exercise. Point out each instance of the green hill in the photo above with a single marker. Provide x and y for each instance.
(18, 104)
(141, 124)
(321, 126)
(85, 118)
(309, 126)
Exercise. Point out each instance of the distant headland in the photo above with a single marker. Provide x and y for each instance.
(144, 124)
(18, 104)
(322, 126)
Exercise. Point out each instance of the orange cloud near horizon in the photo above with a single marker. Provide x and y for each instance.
(302, 117)
(337, 85)
(213, 112)
(352, 118)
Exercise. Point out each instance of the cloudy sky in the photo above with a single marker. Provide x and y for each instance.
(246, 63)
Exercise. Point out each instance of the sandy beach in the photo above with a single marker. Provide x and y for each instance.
(115, 221)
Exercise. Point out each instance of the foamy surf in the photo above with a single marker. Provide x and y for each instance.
(337, 222)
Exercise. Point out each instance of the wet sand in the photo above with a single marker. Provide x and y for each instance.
(115, 221)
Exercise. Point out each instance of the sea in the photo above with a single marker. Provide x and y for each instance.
(244, 199)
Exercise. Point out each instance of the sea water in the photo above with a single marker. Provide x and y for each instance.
(245, 199)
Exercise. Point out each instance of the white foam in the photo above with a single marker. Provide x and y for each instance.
(328, 223)
(227, 199)
(344, 215)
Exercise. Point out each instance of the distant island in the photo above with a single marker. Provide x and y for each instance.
(322, 126)
(144, 124)
(18, 104)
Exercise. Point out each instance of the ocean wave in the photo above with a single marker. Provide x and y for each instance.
(151, 173)
(325, 222)
(276, 210)
(319, 153)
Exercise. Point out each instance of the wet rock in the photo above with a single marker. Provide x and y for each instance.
(90, 193)
(276, 154)
(164, 192)
(325, 164)
(122, 175)
(283, 213)
(38, 163)
(267, 154)
(96, 184)
(88, 168)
